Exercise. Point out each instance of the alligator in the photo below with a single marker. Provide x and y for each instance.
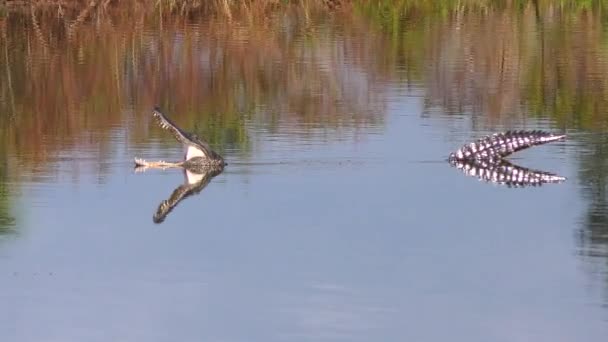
(198, 158)
(485, 158)
(200, 165)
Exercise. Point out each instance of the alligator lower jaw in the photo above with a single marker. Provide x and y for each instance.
(197, 166)
(161, 164)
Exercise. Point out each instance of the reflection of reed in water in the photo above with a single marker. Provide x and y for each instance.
(200, 165)
(592, 237)
(510, 62)
(7, 221)
(266, 71)
(505, 173)
(194, 182)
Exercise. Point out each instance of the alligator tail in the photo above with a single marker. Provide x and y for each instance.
(505, 173)
(497, 146)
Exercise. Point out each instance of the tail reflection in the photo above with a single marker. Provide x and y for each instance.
(195, 180)
(505, 173)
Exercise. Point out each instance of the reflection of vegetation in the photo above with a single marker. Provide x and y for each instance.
(593, 174)
(594, 183)
(6, 220)
(90, 73)
(503, 60)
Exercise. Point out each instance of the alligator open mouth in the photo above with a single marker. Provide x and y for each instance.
(198, 155)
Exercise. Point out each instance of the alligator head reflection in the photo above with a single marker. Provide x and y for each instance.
(195, 180)
(484, 158)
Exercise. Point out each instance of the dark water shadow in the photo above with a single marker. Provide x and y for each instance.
(592, 235)
(195, 180)
(7, 220)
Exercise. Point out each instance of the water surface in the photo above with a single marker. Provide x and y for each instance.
(338, 216)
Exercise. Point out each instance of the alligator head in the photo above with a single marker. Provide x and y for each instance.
(198, 155)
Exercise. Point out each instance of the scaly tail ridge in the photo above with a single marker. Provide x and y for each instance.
(494, 147)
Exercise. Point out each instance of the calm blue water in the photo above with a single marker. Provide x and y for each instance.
(315, 235)
(352, 240)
